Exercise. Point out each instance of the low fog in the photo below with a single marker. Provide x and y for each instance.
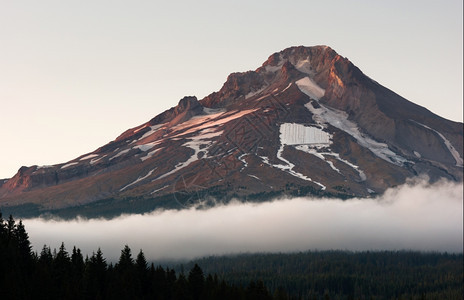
(415, 216)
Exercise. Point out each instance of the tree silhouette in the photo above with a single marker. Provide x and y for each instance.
(95, 275)
(128, 285)
(196, 281)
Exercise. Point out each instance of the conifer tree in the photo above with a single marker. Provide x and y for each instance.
(22, 241)
(46, 257)
(141, 266)
(126, 261)
(77, 270)
(141, 262)
(196, 281)
(77, 260)
(127, 285)
(95, 275)
(62, 271)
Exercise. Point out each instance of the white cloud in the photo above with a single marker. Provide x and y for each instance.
(416, 216)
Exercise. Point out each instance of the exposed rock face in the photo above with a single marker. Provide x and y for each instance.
(306, 121)
(238, 85)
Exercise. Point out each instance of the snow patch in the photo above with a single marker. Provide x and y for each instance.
(199, 144)
(156, 191)
(95, 160)
(322, 155)
(211, 121)
(262, 97)
(451, 149)
(196, 123)
(309, 139)
(44, 167)
(339, 119)
(253, 93)
(208, 134)
(288, 86)
(140, 128)
(417, 154)
(304, 66)
(212, 111)
(193, 145)
(145, 147)
(288, 135)
(245, 164)
(120, 153)
(38, 168)
(310, 88)
(273, 69)
(255, 177)
(138, 180)
(69, 165)
(298, 134)
(89, 156)
(288, 168)
(150, 154)
(152, 130)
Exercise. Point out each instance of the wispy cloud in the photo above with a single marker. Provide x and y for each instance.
(415, 216)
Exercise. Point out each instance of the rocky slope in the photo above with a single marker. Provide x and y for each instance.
(306, 122)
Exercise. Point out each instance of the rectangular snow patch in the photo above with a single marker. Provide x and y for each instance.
(298, 134)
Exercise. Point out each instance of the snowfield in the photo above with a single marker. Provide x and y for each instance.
(310, 88)
(298, 134)
(339, 119)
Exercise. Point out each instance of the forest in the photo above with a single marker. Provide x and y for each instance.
(59, 274)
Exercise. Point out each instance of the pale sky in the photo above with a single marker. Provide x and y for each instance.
(76, 74)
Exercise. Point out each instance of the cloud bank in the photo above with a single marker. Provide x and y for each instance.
(415, 216)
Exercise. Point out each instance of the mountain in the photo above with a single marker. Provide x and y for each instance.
(307, 121)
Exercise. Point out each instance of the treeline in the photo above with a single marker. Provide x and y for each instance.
(62, 275)
(346, 275)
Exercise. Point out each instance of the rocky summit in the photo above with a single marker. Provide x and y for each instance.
(307, 122)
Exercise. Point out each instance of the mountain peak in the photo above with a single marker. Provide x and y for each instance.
(279, 69)
(306, 121)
